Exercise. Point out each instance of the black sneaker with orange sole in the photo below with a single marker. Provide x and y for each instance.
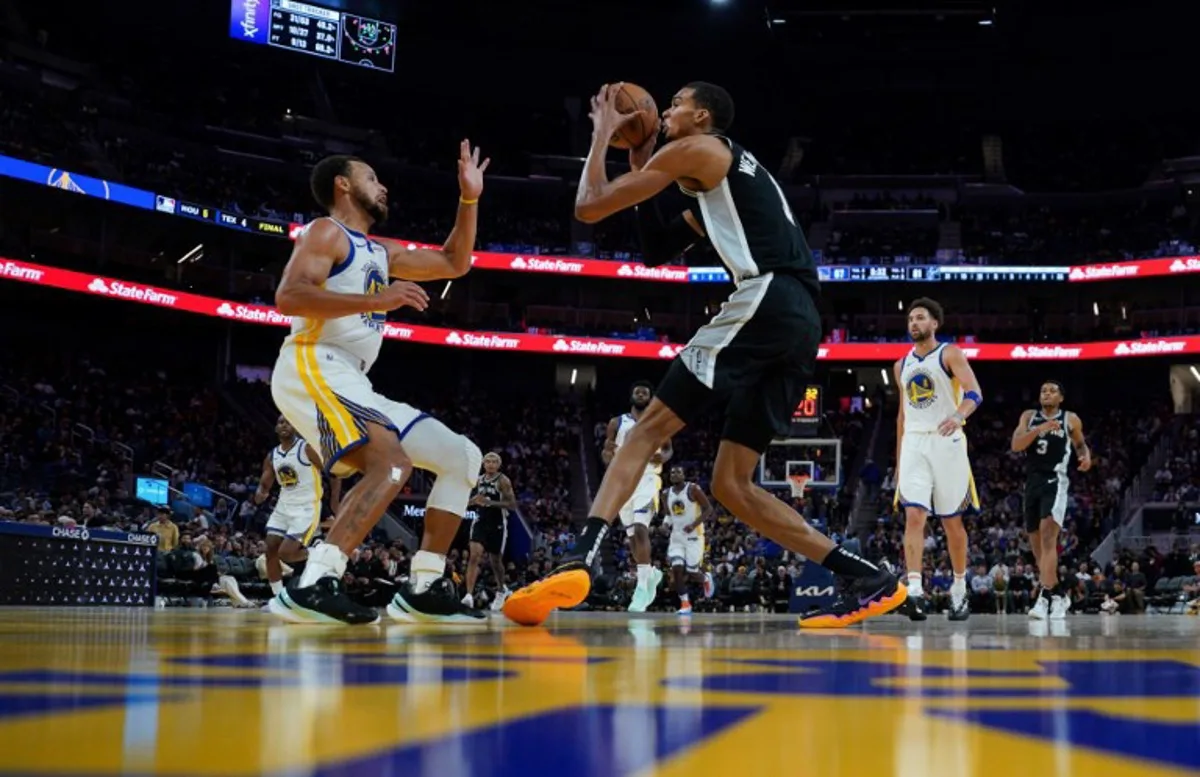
(866, 597)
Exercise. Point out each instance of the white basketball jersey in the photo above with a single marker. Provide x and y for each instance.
(626, 423)
(297, 477)
(931, 394)
(683, 510)
(363, 271)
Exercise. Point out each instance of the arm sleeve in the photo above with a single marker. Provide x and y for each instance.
(662, 241)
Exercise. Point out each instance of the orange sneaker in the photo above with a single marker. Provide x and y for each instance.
(565, 587)
(866, 598)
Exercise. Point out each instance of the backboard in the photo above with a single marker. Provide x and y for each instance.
(821, 458)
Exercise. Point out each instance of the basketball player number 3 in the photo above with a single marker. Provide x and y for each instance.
(1043, 444)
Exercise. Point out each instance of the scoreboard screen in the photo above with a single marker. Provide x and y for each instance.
(315, 29)
(809, 409)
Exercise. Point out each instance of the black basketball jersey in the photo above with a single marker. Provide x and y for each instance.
(489, 488)
(751, 226)
(1050, 453)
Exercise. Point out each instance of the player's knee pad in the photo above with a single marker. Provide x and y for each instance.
(461, 460)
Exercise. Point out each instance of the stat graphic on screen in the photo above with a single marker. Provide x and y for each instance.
(315, 29)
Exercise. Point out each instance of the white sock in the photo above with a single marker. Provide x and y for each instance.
(276, 587)
(325, 560)
(425, 569)
(958, 590)
(914, 584)
(643, 573)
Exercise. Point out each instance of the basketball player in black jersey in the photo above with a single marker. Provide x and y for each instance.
(493, 498)
(754, 358)
(1043, 435)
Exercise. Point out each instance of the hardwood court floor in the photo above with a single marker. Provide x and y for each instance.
(222, 692)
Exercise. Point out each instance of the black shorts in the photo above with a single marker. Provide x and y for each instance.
(1045, 497)
(490, 530)
(756, 356)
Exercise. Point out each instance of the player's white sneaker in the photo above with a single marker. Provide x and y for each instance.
(469, 601)
(1040, 610)
(1059, 607)
(498, 602)
(641, 599)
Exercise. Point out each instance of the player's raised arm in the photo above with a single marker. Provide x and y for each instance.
(956, 363)
(610, 441)
(300, 293)
(453, 259)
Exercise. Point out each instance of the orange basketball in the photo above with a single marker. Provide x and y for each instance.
(633, 98)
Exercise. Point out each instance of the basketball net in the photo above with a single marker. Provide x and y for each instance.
(798, 483)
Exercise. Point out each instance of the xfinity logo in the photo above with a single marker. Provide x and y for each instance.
(249, 28)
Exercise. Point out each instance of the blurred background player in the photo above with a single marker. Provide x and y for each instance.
(1043, 435)
(686, 512)
(933, 472)
(493, 497)
(335, 287)
(643, 505)
(297, 515)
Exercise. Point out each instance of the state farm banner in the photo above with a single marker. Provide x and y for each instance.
(1138, 268)
(515, 342)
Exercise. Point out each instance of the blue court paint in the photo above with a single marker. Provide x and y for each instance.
(1175, 744)
(14, 705)
(365, 669)
(1075, 679)
(606, 741)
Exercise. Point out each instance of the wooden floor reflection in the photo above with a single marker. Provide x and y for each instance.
(220, 692)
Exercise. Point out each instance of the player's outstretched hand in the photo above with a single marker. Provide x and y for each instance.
(404, 294)
(470, 171)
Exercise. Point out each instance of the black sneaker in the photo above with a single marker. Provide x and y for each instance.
(437, 604)
(863, 598)
(915, 608)
(321, 602)
(961, 612)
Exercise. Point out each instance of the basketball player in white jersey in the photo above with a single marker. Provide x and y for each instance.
(686, 511)
(938, 392)
(336, 289)
(643, 505)
(297, 515)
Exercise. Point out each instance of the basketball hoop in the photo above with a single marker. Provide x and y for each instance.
(798, 483)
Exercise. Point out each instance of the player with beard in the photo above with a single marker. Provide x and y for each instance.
(933, 473)
(1043, 435)
(643, 505)
(753, 360)
(335, 287)
(686, 511)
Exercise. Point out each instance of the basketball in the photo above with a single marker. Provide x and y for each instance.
(633, 98)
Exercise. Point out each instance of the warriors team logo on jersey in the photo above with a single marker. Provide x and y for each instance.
(374, 283)
(288, 477)
(678, 508)
(920, 390)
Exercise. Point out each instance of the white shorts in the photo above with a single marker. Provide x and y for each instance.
(295, 522)
(935, 475)
(323, 394)
(643, 505)
(686, 551)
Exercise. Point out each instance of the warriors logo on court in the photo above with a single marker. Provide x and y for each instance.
(920, 390)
